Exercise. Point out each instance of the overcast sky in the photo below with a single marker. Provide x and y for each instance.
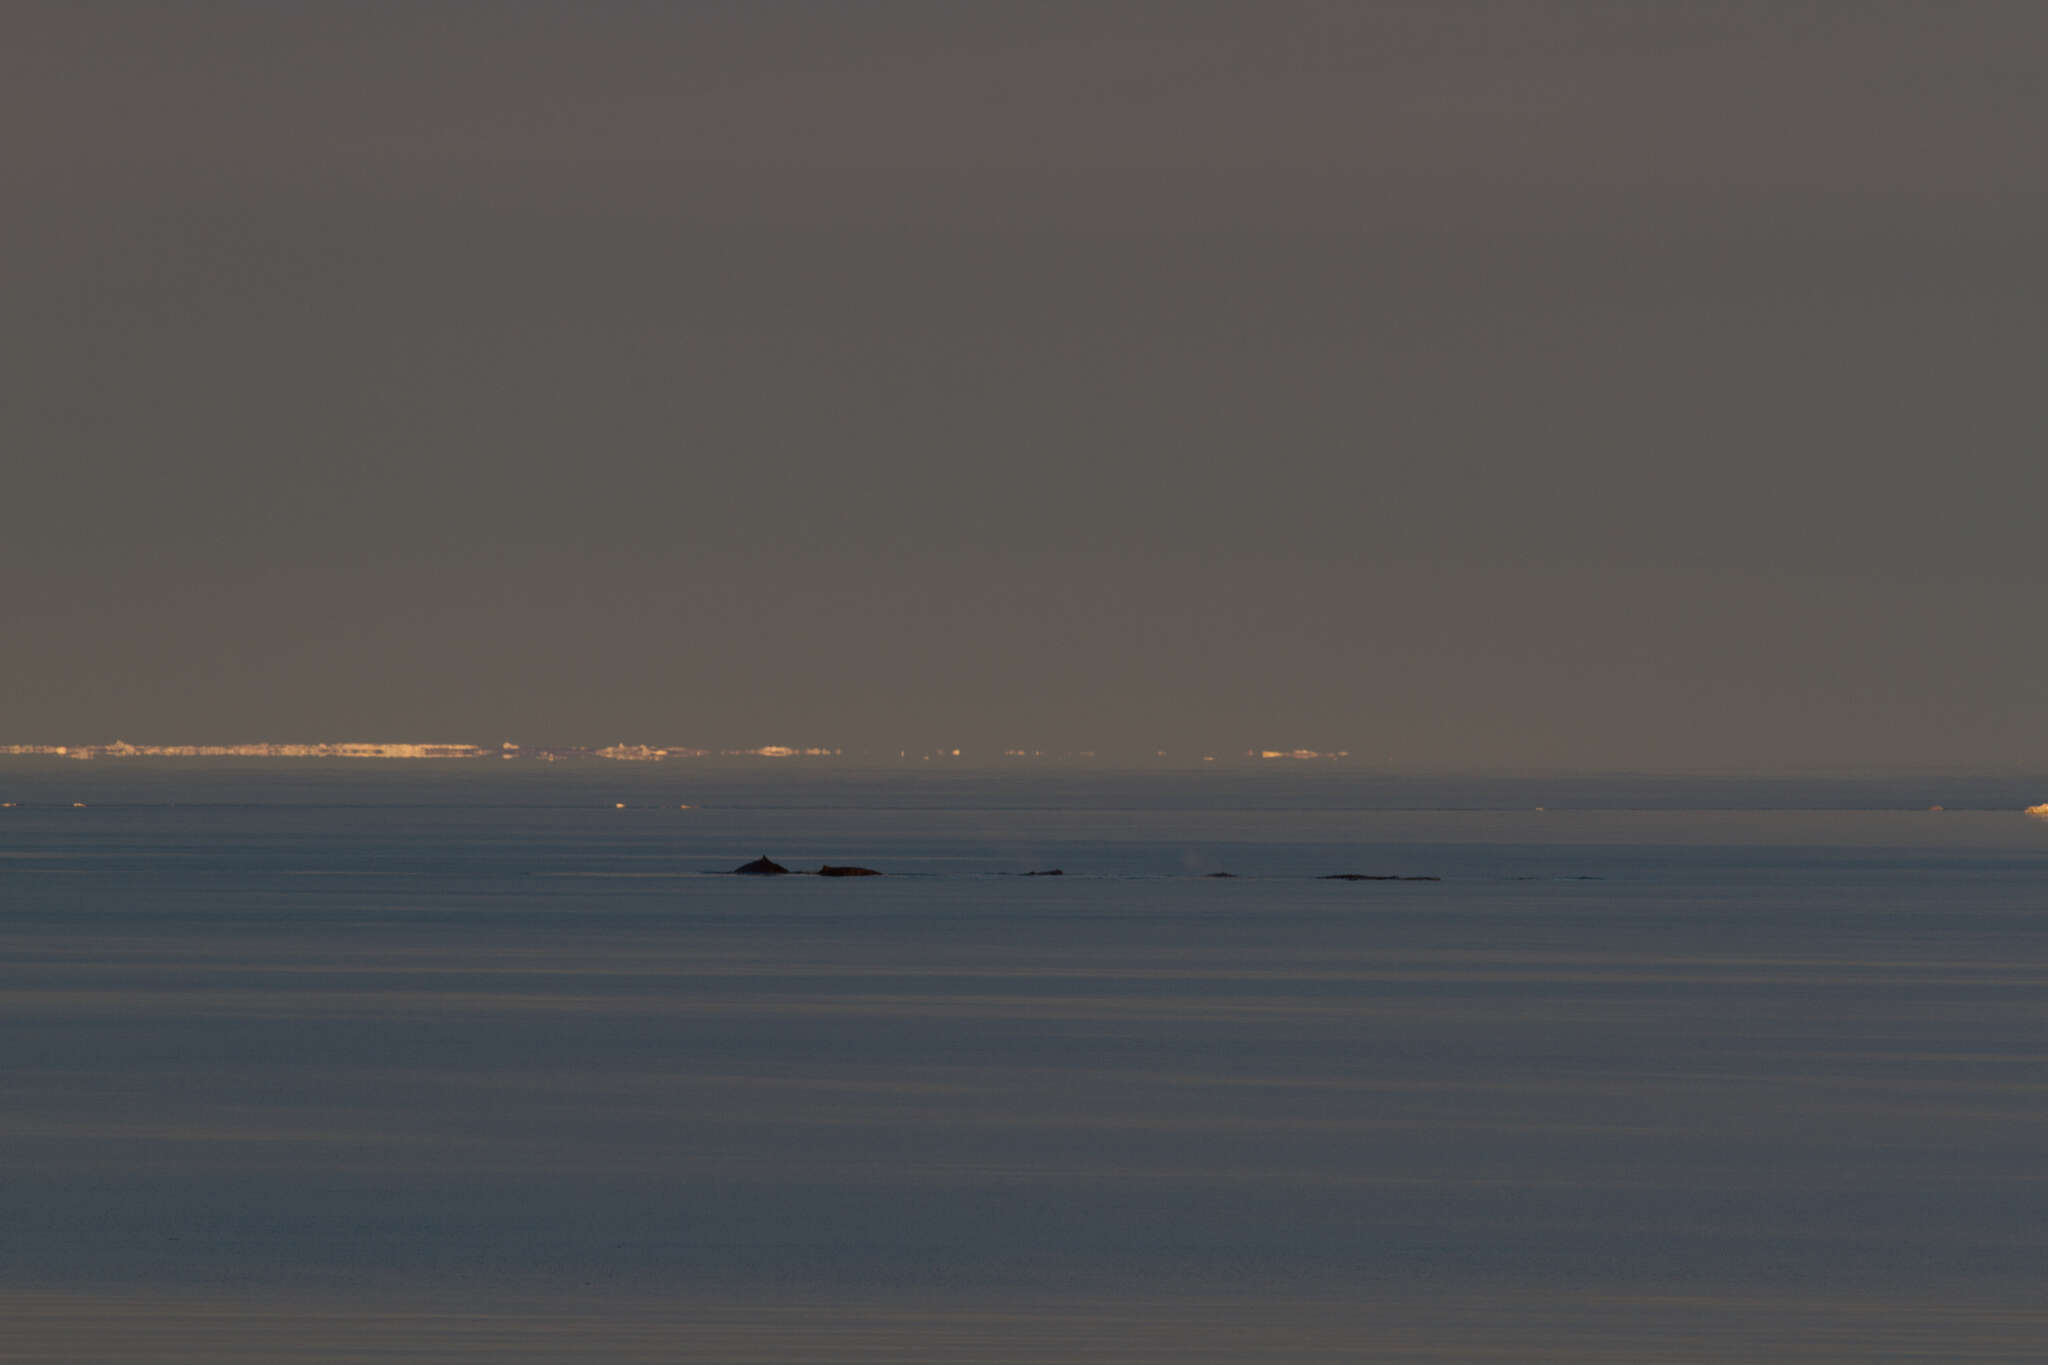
(1585, 384)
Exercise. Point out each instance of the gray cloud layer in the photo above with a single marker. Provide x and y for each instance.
(1455, 382)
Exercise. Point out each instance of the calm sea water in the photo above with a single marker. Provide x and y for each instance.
(454, 1063)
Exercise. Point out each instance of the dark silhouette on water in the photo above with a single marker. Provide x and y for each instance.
(764, 866)
(1372, 877)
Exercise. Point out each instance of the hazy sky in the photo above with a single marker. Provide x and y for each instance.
(1592, 383)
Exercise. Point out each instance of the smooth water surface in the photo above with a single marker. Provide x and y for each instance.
(312, 1063)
